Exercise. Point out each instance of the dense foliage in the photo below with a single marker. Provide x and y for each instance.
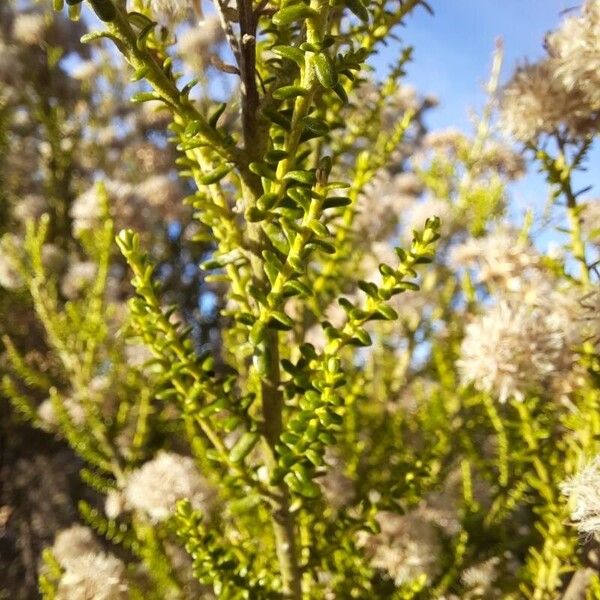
(340, 368)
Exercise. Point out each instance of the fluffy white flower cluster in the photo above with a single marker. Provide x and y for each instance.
(562, 90)
(514, 348)
(502, 260)
(407, 547)
(156, 486)
(575, 49)
(89, 573)
(583, 492)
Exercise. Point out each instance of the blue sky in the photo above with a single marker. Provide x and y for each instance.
(452, 60)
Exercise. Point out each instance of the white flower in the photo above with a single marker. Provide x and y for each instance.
(515, 348)
(481, 576)
(536, 102)
(29, 28)
(407, 547)
(96, 576)
(583, 492)
(175, 10)
(73, 542)
(79, 276)
(156, 486)
(114, 504)
(502, 260)
(575, 49)
(381, 205)
(10, 249)
(31, 206)
(195, 43)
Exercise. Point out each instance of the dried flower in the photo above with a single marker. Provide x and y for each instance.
(195, 43)
(480, 577)
(10, 249)
(97, 576)
(72, 543)
(575, 49)
(337, 488)
(583, 492)
(535, 102)
(446, 140)
(114, 504)
(172, 10)
(77, 278)
(381, 205)
(503, 260)
(514, 348)
(500, 158)
(31, 206)
(156, 486)
(28, 28)
(407, 547)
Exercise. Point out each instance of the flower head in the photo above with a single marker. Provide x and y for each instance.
(157, 485)
(575, 50)
(73, 542)
(583, 492)
(514, 348)
(536, 102)
(407, 547)
(503, 261)
(28, 28)
(93, 576)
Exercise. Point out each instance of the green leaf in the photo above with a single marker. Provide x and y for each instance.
(291, 14)
(257, 333)
(104, 9)
(279, 320)
(291, 53)
(325, 70)
(361, 338)
(216, 174)
(289, 91)
(140, 73)
(94, 36)
(338, 88)
(260, 168)
(305, 177)
(266, 201)
(214, 117)
(359, 9)
(145, 97)
(316, 126)
(336, 202)
(368, 288)
(243, 446)
(386, 312)
(297, 287)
